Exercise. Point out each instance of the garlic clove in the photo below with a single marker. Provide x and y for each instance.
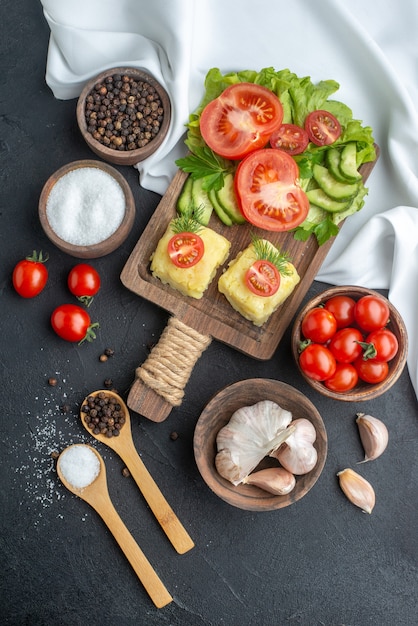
(275, 480)
(374, 436)
(357, 489)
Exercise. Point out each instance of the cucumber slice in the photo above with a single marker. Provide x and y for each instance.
(201, 201)
(319, 198)
(184, 201)
(332, 187)
(332, 161)
(228, 201)
(223, 216)
(348, 162)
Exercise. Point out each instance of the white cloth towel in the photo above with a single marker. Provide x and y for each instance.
(370, 49)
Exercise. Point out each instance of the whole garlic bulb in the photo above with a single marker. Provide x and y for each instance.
(297, 454)
(250, 435)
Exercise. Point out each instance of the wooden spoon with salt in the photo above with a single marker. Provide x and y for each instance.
(97, 495)
(123, 445)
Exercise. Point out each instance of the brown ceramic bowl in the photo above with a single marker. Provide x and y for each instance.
(117, 155)
(89, 249)
(363, 390)
(217, 414)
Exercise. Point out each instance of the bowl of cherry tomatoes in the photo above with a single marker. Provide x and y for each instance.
(350, 343)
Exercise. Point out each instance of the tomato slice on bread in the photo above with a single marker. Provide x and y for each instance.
(262, 278)
(240, 120)
(186, 249)
(268, 192)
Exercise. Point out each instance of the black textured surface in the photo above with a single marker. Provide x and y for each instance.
(321, 561)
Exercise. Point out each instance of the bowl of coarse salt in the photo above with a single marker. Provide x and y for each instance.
(87, 209)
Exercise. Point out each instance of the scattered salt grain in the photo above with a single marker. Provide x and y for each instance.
(85, 206)
(79, 465)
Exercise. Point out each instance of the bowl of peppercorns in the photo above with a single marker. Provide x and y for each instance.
(124, 115)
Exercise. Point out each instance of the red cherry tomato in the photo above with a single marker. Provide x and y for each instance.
(382, 345)
(322, 128)
(186, 249)
(30, 275)
(317, 362)
(371, 313)
(345, 345)
(84, 282)
(240, 120)
(267, 190)
(318, 325)
(263, 278)
(342, 308)
(371, 371)
(290, 138)
(344, 378)
(72, 323)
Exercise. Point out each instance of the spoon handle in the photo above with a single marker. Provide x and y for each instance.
(168, 520)
(142, 567)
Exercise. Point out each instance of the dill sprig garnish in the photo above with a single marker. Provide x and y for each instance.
(188, 222)
(267, 252)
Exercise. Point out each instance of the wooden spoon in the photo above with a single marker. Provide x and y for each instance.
(123, 445)
(96, 494)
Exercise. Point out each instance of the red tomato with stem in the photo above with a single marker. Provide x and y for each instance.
(240, 120)
(318, 325)
(344, 378)
(371, 313)
(267, 190)
(317, 362)
(322, 128)
(342, 308)
(371, 371)
(381, 345)
(290, 138)
(72, 323)
(263, 278)
(30, 275)
(185, 249)
(84, 282)
(345, 345)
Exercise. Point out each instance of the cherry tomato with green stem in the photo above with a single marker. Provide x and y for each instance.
(30, 275)
(72, 323)
(317, 362)
(380, 345)
(345, 345)
(319, 325)
(371, 371)
(344, 378)
(342, 308)
(84, 282)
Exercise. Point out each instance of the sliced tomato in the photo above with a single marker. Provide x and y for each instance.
(322, 127)
(290, 138)
(185, 249)
(268, 192)
(240, 120)
(263, 278)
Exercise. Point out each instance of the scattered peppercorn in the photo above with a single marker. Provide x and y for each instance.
(174, 436)
(103, 358)
(52, 382)
(54, 455)
(108, 383)
(103, 414)
(109, 352)
(123, 113)
(65, 408)
(126, 472)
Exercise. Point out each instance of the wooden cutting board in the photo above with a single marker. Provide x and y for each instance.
(211, 316)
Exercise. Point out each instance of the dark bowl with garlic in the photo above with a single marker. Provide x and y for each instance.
(260, 444)
(373, 375)
(124, 115)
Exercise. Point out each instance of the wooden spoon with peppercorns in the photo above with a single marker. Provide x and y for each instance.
(102, 407)
(96, 494)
